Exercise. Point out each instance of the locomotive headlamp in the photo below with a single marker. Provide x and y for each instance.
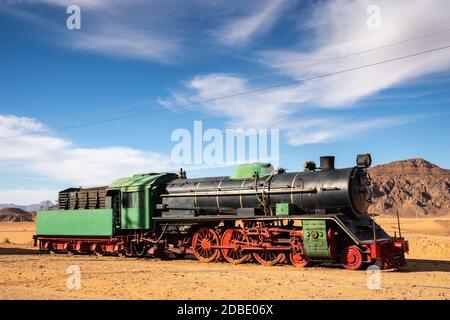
(364, 160)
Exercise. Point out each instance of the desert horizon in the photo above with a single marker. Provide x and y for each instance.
(23, 275)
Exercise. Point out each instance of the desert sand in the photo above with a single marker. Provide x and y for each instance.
(27, 274)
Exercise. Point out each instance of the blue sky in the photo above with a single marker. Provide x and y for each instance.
(180, 52)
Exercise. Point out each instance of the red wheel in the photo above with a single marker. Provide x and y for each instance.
(235, 238)
(297, 255)
(352, 258)
(203, 244)
(299, 260)
(67, 247)
(268, 258)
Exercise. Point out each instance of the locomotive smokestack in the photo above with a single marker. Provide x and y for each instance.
(327, 163)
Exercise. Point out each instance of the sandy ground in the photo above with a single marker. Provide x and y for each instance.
(26, 274)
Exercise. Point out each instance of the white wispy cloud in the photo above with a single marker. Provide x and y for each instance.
(260, 19)
(278, 108)
(156, 31)
(340, 28)
(125, 42)
(329, 129)
(27, 196)
(128, 29)
(88, 4)
(28, 147)
(259, 110)
(46, 155)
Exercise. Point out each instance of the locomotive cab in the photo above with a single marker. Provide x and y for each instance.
(136, 199)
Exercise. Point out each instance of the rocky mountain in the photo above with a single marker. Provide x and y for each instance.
(413, 187)
(15, 215)
(31, 207)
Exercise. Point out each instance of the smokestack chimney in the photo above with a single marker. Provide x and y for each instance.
(327, 163)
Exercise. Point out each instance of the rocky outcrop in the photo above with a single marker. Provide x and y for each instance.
(43, 205)
(413, 187)
(15, 215)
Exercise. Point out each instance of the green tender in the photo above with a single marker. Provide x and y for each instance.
(95, 222)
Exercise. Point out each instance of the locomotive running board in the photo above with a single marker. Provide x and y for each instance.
(338, 219)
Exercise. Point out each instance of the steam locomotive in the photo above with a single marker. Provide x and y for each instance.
(258, 214)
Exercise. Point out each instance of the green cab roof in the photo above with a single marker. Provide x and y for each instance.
(139, 180)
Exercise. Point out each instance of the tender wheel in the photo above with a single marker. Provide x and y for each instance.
(236, 239)
(141, 250)
(128, 250)
(352, 258)
(203, 244)
(268, 258)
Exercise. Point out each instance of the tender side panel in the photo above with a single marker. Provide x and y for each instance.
(97, 222)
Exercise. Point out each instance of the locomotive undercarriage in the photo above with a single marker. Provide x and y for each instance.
(266, 241)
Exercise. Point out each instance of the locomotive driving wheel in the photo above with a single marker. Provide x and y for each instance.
(235, 239)
(203, 243)
(352, 258)
(268, 257)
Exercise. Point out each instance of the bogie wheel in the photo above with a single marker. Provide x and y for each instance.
(203, 244)
(235, 238)
(268, 258)
(352, 258)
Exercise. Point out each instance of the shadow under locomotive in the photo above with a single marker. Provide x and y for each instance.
(257, 214)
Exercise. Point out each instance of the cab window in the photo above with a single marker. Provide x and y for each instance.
(133, 199)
